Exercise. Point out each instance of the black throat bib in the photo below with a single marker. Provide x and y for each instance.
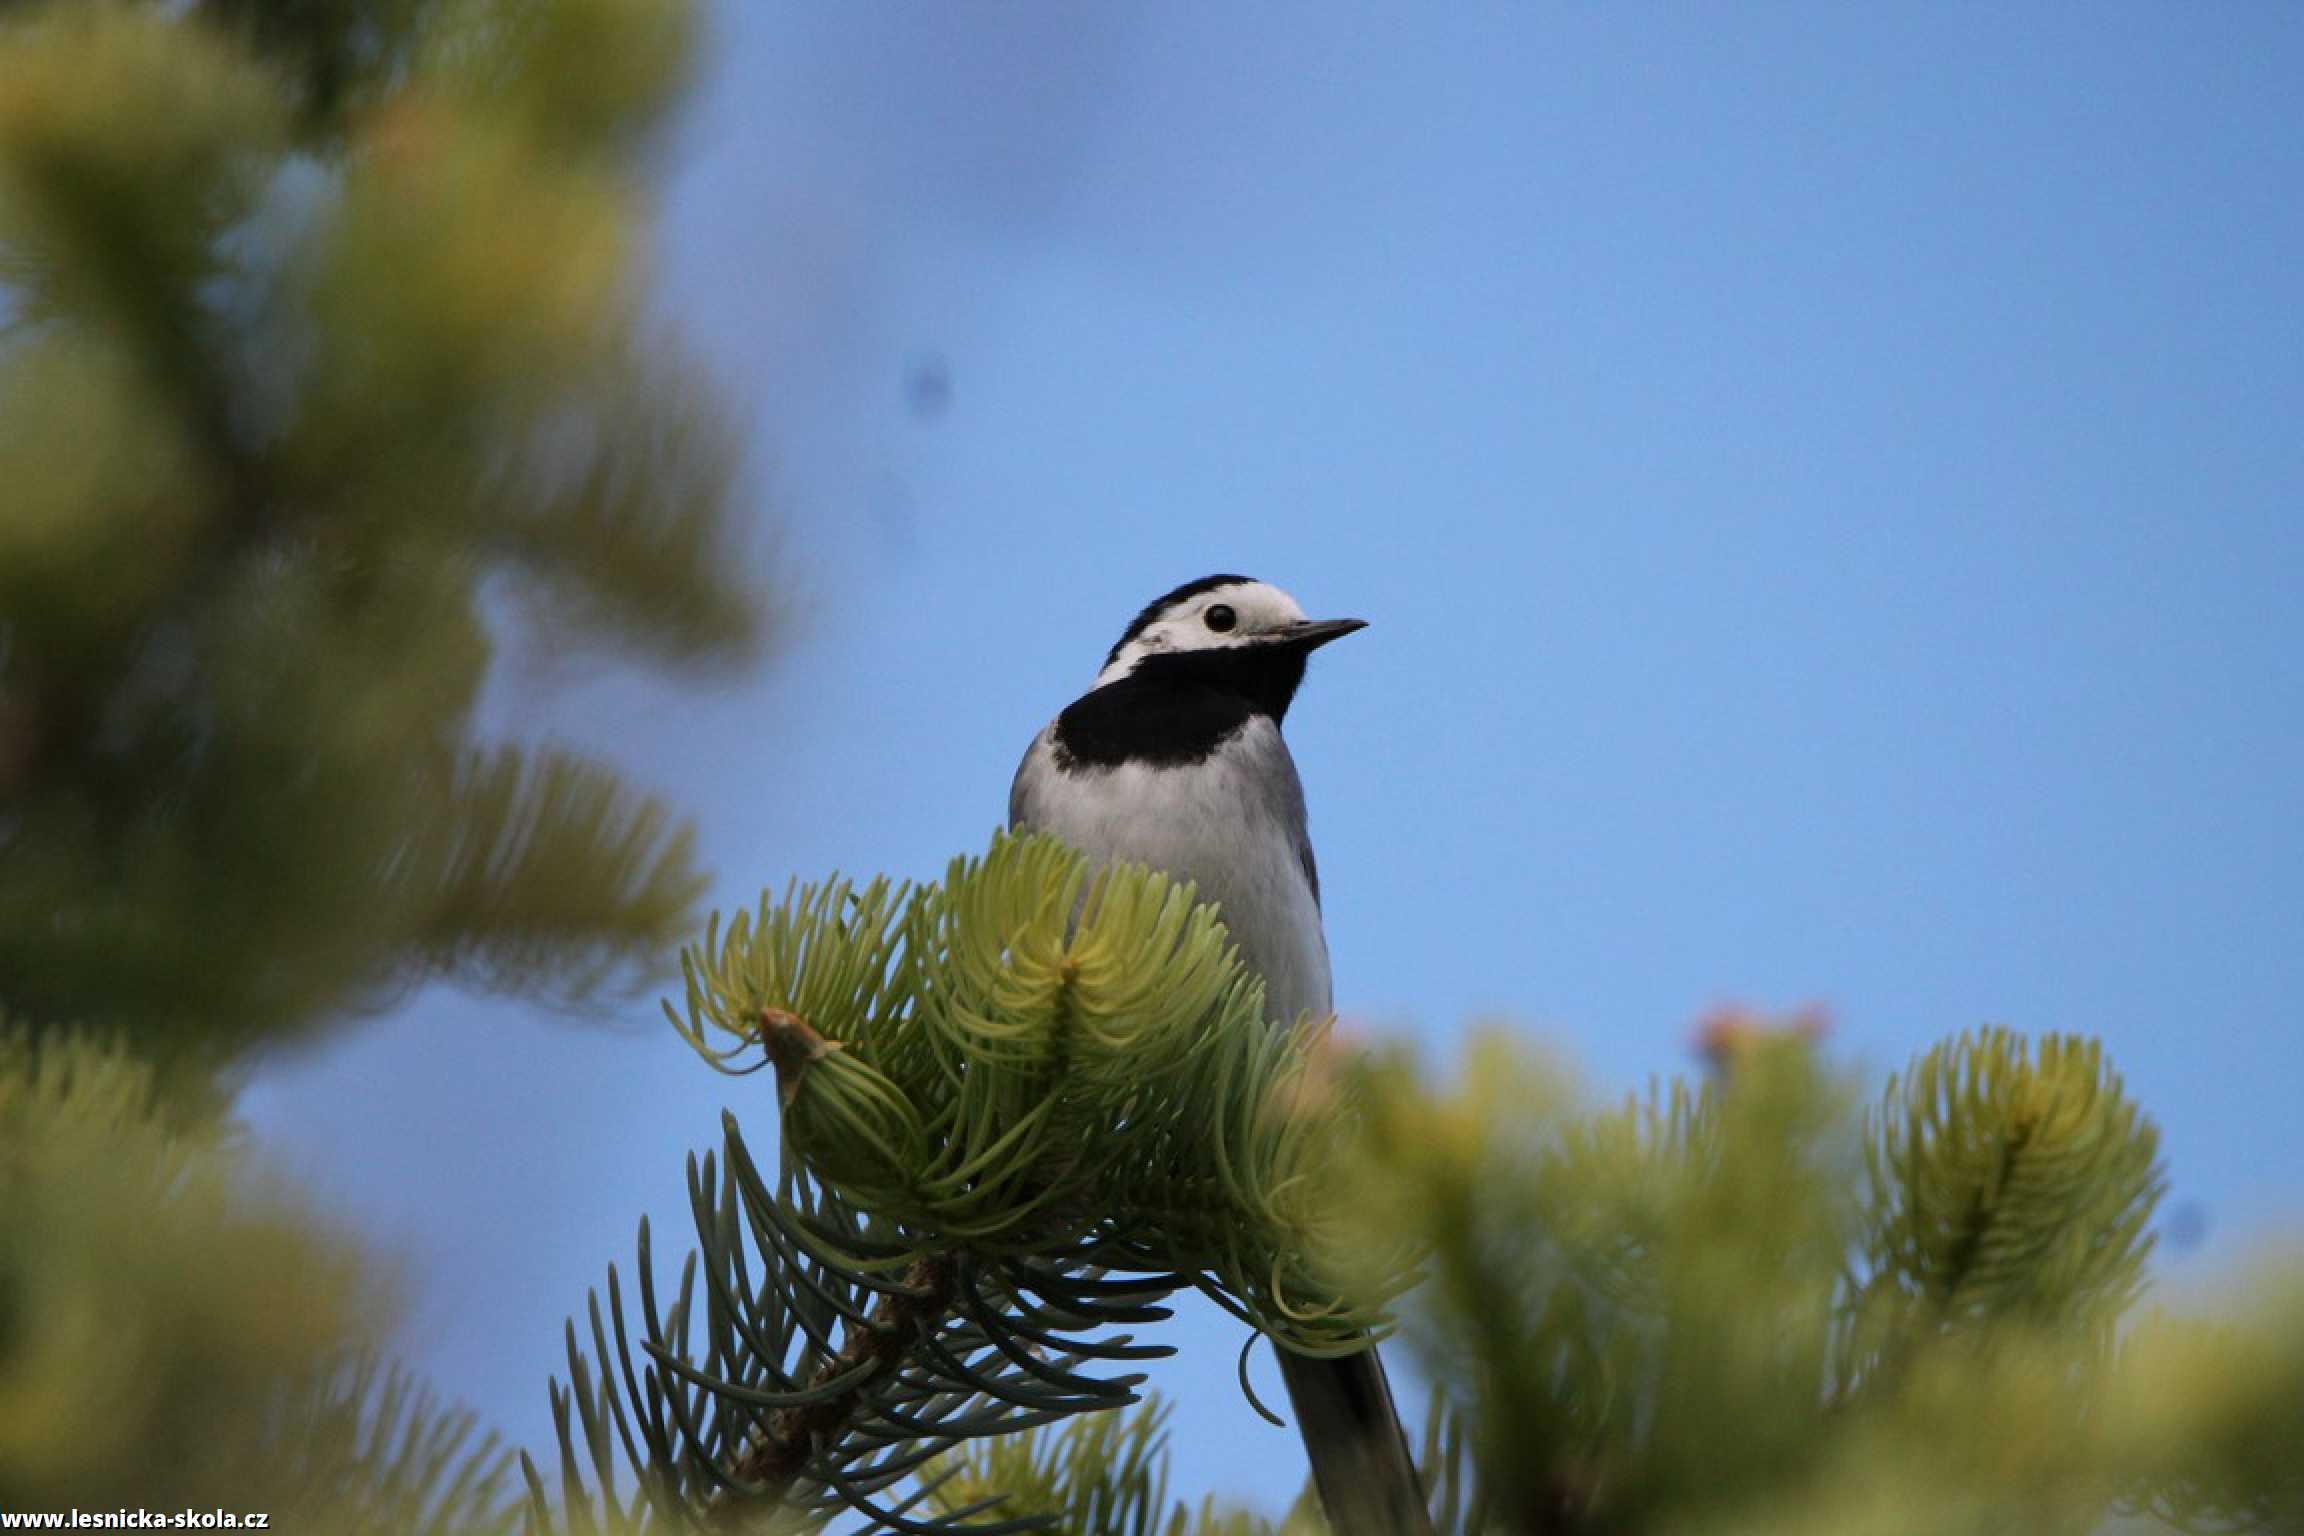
(1178, 707)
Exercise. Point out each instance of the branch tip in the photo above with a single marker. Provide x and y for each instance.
(792, 1043)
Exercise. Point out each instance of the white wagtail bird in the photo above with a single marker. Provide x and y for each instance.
(1173, 758)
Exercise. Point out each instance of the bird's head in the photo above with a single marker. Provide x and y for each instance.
(1220, 626)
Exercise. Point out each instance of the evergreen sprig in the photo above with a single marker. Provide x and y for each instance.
(1744, 1306)
(786, 1378)
(1037, 1053)
(325, 373)
(1019, 1108)
(1107, 1475)
(2011, 1181)
(366, 1451)
(176, 1333)
(1102, 1475)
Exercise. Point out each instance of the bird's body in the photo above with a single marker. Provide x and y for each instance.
(1232, 823)
(1174, 759)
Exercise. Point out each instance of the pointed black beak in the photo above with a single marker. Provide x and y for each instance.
(1314, 633)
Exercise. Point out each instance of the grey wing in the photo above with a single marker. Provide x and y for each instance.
(1311, 865)
(1021, 811)
(1284, 793)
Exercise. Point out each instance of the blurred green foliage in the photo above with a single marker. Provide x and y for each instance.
(324, 374)
(176, 1333)
(325, 379)
(1757, 1305)
(1103, 1473)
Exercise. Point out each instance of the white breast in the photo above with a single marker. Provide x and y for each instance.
(1233, 825)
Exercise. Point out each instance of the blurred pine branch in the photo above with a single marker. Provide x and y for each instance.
(324, 373)
(176, 1333)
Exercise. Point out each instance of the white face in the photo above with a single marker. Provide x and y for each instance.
(1236, 614)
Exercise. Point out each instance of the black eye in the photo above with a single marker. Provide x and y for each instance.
(1221, 618)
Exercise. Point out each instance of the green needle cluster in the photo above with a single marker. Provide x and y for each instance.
(1019, 1107)
(1034, 1053)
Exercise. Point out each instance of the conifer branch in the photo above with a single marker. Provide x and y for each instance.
(1018, 1109)
(874, 1349)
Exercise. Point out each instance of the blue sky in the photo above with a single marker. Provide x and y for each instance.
(1827, 487)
